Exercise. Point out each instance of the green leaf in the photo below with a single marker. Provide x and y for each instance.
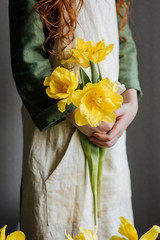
(84, 77)
(94, 74)
(99, 71)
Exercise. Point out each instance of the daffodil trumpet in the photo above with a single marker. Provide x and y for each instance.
(128, 230)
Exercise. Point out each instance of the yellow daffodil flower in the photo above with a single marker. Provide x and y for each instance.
(18, 235)
(86, 51)
(84, 234)
(61, 85)
(88, 234)
(127, 229)
(96, 103)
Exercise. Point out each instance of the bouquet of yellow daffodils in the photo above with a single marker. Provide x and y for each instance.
(96, 100)
(18, 235)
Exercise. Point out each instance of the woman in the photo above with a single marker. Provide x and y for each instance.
(56, 192)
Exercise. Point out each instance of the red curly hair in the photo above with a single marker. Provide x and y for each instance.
(62, 14)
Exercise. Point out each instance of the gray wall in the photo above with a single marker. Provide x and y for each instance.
(143, 134)
(10, 131)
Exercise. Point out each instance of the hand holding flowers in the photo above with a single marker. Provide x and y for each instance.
(125, 116)
(87, 129)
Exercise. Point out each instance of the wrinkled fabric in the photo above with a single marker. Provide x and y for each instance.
(56, 186)
(56, 191)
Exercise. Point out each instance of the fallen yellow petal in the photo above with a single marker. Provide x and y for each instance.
(3, 233)
(152, 234)
(18, 235)
(127, 229)
(68, 236)
(79, 237)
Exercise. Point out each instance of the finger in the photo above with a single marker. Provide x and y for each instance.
(105, 144)
(104, 127)
(113, 133)
(112, 142)
(101, 137)
(99, 143)
(117, 129)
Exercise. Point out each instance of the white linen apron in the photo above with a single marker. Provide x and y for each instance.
(56, 192)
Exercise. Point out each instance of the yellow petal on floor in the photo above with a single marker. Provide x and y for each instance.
(152, 234)
(3, 233)
(127, 229)
(18, 235)
(68, 236)
(88, 234)
(79, 237)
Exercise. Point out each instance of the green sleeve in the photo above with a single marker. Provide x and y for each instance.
(30, 64)
(128, 67)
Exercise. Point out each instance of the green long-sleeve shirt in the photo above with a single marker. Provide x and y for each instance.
(30, 63)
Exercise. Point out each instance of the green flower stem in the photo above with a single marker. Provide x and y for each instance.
(91, 153)
(102, 152)
(95, 209)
